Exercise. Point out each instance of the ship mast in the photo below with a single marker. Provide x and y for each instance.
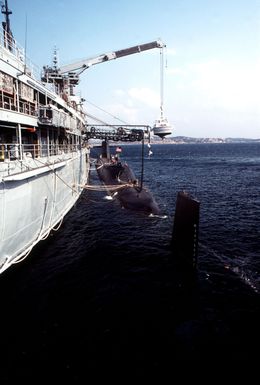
(8, 36)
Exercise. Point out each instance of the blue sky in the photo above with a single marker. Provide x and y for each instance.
(211, 82)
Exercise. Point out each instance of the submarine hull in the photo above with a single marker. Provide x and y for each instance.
(129, 194)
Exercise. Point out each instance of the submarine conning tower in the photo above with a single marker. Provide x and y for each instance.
(105, 150)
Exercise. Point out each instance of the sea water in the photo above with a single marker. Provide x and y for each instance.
(104, 291)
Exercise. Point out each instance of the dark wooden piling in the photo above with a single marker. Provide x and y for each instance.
(184, 244)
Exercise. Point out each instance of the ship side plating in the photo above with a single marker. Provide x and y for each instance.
(43, 158)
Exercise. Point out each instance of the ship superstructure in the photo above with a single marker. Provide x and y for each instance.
(43, 158)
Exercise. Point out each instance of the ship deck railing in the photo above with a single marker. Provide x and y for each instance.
(9, 103)
(59, 117)
(11, 46)
(16, 159)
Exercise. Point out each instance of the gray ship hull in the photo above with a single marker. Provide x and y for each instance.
(34, 202)
(44, 157)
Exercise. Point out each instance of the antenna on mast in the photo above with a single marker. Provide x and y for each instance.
(8, 36)
(25, 45)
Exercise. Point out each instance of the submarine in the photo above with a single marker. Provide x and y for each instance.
(122, 184)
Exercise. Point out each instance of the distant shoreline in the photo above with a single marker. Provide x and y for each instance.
(183, 140)
(190, 140)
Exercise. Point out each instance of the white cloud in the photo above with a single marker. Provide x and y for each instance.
(123, 111)
(175, 71)
(231, 86)
(170, 52)
(145, 95)
(133, 106)
(227, 85)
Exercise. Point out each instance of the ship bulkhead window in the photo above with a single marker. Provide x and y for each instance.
(49, 114)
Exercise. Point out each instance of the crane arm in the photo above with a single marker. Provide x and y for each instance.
(86, 63)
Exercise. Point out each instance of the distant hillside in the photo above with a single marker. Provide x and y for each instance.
(187, 139)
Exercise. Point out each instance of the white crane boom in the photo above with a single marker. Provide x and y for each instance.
(66, 77)
(86, 63)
